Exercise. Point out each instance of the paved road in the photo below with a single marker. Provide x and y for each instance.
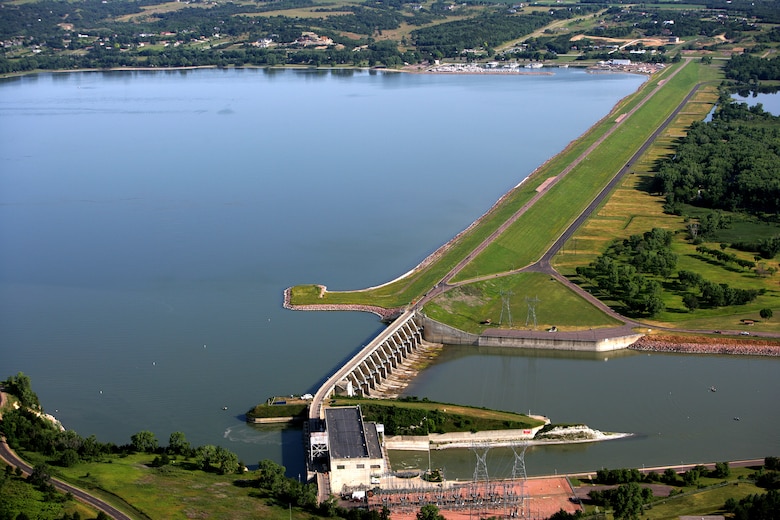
(11, 458)
(544, 263)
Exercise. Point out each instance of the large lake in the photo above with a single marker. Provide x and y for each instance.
(149, 222)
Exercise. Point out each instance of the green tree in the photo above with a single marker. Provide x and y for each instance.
(691, 302)
(669, 477)
(69, 458)
(143, 441)
(205, 456)
(429, 512)
(41, 475)
(765, 314)
(177, 444)
(270, 474)
(721, 470)
(626, 501)
(225, 461)
(20, 386)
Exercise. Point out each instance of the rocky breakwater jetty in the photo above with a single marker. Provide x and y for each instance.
(707, 345)
(384, 314)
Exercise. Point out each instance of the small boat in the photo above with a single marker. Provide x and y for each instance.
(736, 418)
(224, 407)
(713, 389)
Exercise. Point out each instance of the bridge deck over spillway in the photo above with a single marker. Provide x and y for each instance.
(374, 362)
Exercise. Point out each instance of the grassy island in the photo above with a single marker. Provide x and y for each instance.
(410, 416)
(281, 408)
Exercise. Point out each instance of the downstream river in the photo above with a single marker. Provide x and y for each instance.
(149, 222)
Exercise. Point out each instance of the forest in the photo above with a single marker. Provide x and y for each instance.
(729, 163)
(747, 68)
(627, 271)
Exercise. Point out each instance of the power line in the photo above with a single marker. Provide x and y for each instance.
(531, 302)
(506, 307)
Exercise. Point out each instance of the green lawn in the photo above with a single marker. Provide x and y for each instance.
(454, 417)
(699, 503)
(629, 210)
(502, 257)
(174, 491)
(466, 306)
(526, 240)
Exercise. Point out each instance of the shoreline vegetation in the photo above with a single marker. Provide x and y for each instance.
(167, 481)
(404, 70)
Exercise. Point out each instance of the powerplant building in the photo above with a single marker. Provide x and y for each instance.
(353, 448)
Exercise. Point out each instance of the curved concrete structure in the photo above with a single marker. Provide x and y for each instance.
(374, 362)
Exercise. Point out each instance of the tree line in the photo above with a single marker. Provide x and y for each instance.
(747, 68)
(629, 499)
(25, 429)
(626, 271)
(729, 163)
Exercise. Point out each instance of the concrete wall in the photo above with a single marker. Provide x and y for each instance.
(437, 441)
(353, 473)
(437, 332)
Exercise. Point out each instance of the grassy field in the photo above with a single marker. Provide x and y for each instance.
(458, 417)
(633, 210)
(172, 492)
(467, 306)
(706, 498)
(526, 240)
(705, 502)
(406, 290)
(16, 495)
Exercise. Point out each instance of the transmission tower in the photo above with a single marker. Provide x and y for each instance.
(518, 472)
(531, 302)
(480, 470)
(518, 468)
(505, 307)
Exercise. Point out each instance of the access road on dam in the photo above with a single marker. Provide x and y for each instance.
(316, 409)
(373, 370)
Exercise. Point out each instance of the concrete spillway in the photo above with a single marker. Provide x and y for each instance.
(374, 363)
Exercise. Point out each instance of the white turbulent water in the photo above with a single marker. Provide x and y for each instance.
(149, 222)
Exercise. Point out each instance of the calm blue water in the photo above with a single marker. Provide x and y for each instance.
(770, 102)
(149, 223)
